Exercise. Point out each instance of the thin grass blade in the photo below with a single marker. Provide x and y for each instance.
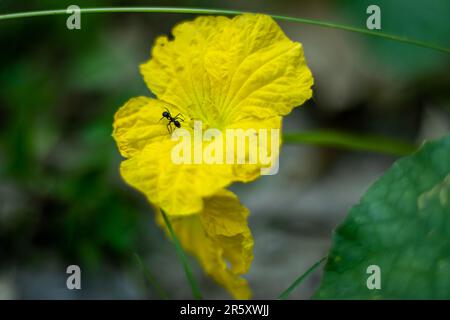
(300, 279)
(187, 270)
(151, 278)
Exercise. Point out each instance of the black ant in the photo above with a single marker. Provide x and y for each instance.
(175, 120)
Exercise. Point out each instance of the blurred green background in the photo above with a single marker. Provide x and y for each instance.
(63, 202)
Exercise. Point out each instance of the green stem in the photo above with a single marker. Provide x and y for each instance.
(18, 15)
(351, 141)
(151, 278)
(300, 279)
(187, 270)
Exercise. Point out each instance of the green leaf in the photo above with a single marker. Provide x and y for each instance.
(402, 225)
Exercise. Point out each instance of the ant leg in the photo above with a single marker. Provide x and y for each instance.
(169, 127)
(179, 117)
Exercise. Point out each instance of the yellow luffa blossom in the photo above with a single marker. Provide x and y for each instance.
(228, 73)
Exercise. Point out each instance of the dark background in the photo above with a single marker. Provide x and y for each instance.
(63, 202)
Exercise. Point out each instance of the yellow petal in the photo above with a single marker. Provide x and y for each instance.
(137, 123)
(263, 121)
(217, 69)
(177, 188)
(220, 239)
(176, 69)
(225, 219)
(259, 66)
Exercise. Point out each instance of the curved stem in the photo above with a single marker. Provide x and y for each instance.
(300, 279)
(19, 15)
(151, 278)
(182, 256)
(350, 141)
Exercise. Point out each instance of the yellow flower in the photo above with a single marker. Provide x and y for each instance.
(227, 73)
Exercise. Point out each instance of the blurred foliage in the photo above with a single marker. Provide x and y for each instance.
(410, 18)
(58, 97)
